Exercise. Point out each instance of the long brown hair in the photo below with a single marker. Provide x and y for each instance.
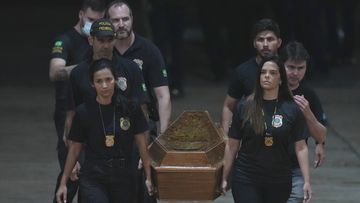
(254, 103)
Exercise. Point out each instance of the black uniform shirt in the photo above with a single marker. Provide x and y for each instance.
(126, 70)
(243, 80)
(258, 163)
(151, 62)
(72, 47)
(89, 128)
(315, 107)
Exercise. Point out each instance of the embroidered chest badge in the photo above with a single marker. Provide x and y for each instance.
(122, 83)
(277, 121)
(139, 62)
(124, 123)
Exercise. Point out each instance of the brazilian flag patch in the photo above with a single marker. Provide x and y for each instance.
(57, 47)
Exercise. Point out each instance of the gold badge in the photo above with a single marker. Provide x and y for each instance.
(109, 140)
(268, 141)
(124, 123)
(122, 83)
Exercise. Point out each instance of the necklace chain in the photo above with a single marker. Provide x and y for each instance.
(102, 120)
(272, 119)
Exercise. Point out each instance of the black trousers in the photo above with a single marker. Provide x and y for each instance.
(260, 193)
(117, 186)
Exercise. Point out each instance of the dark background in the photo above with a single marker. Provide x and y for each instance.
(28, 28)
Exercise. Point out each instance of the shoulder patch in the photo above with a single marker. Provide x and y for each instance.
(164, 72)
(57, 47)
(144, 87)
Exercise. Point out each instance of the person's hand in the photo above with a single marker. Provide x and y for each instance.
(66, 142)
(224, 185)
(319, 155)
(61, 194)
(149, 187)
(74, 176)
(302, 103)
(307, 193)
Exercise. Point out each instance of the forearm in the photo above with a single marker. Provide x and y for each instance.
(232, 147)
(302, 154)
(164, 106)
(164, 113)
(227, 113)
(68, 122)
(144, 154)
(73, 153)
(226, 119)
(316, 129)
(60, 73)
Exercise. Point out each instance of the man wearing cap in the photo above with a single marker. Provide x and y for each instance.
(151, 62)
(102, 40)
(131, 82)
(68, 50)
(131, 85)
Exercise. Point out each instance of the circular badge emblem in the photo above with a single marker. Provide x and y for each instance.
(124, 123)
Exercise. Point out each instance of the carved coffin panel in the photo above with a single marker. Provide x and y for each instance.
(187, 158)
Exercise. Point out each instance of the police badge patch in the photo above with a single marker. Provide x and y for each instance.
(122, 83)
(139, 62)
(124, 123)
(277, 121)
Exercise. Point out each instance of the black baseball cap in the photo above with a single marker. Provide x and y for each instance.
(102, 28)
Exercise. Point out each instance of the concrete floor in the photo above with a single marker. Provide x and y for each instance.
(28, 162)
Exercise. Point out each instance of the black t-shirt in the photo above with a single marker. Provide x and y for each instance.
(242, 82)
(131, 82)
(73, 48)
(152, 64)
(88, 127)
(258, 163)
(315, 107)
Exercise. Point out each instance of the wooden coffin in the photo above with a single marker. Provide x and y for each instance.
(187, 158)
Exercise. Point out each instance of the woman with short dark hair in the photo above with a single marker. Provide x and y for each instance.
(108, 125)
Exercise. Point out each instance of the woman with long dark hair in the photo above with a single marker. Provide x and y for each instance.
(265, 124)
(108, 125)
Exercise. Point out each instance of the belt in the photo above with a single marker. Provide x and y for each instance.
(116, 163)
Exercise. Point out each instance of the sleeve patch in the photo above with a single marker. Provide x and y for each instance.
(164, 73)
(57, 47)
(144, 87)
